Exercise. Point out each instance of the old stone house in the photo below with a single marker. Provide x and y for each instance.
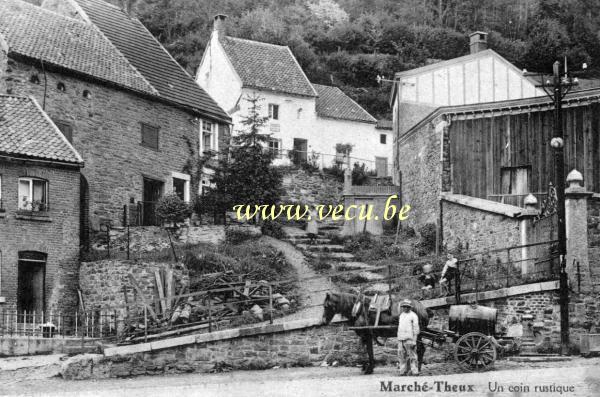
(303, 117)
(39, 210)
(123, 102)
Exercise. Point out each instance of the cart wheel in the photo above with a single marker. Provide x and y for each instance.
(474, 352)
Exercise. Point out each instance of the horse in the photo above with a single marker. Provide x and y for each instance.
(355, 308)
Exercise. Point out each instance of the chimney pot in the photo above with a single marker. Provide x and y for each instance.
(219, 25)
(478, 42)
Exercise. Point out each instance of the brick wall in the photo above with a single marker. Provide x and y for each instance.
(310, 188)
(419, 162)
(102, 282)
(56, 235)
(107, 133)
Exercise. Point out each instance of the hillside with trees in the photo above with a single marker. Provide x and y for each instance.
(347, 43)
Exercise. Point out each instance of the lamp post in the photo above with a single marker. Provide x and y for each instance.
(556, 89)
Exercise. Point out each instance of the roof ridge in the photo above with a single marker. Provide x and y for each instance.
(316, 94)
(13, 96)
(257, 42)
(47, 11)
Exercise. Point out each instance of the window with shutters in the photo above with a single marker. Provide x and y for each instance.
(66, 129)
(150, 136)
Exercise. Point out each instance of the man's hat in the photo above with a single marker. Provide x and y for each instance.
(405, 303)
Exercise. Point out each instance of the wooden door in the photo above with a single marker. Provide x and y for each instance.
(31, 286)
(151, 194)
(381, 165)
(300, 151)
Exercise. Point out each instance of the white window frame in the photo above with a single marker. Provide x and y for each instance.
(271, 107)
(276, 150)
(29, 207)
(214, 141)
(186, 188)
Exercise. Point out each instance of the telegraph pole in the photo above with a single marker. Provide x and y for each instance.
(556, 90)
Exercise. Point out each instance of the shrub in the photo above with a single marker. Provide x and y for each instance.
(171, 208)
(234, 235)
(427, 242)
(273, 229)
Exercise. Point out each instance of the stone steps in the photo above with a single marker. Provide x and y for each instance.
(336, 256)
(306, 240)
(321, 247)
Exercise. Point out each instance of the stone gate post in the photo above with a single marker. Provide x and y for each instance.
(576, 197)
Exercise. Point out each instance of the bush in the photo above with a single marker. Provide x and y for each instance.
(234, 235)
(273, 229)
(427, 242)
(171, 208)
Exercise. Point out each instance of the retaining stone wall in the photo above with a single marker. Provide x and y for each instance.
(102, 282)
(312, 188)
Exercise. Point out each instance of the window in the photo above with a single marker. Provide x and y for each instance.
(273, 111)
(87, 94)
(150, 136)
(275, 147)
(208, 138)
(66, 129)
(383, 139)
(61, 87)
(33, 194)
(300, 113)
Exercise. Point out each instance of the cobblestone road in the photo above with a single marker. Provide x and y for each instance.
(576, 378)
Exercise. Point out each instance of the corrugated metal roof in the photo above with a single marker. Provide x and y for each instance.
(26, 131)
(333, 103)
(267, 66)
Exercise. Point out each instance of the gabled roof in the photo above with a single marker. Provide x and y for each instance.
(266, 66)
(150, 58)
(333, 103)
(512, 106)
(33, 32)
(27, 132)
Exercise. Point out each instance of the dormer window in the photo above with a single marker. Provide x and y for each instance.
(273, 111)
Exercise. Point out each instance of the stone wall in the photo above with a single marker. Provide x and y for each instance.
(54, 233)
(312, 188)
(103, 283)
(475, 230)
(107, 134)
(419, 162)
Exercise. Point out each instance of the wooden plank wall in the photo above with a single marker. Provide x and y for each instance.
(479, 148)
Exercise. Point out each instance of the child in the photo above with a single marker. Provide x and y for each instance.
(312, 227)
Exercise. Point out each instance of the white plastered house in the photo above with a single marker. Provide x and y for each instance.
(306, 121)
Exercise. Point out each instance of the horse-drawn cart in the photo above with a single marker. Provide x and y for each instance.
(472, 330)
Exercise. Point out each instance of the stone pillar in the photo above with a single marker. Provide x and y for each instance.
(527, 216)
(576, 198)
(347, 181)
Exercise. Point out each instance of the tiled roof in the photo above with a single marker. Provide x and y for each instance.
(333, 103)
(26, 131)
(146, 54)
(267, 66)
(36, 33)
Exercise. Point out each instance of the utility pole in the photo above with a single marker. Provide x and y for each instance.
(556, 90)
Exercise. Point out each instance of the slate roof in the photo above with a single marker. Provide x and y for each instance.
(333, 103)
(36, 33)
(150, 58)
(26, 131)
(266, 66)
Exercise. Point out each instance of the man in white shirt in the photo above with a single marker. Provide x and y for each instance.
(408, 330)
(448, 274)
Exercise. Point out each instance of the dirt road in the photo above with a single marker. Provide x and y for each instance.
(579, 378)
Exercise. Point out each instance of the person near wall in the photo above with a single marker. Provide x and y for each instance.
(312, 227)
(448, 274)
(427, 279)
(408, 330)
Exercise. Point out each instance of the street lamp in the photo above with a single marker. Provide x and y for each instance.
(556, 88)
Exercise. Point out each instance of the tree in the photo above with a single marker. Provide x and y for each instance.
(248, 176)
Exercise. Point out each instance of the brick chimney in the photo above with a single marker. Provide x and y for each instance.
(219, 26)
(478, 42)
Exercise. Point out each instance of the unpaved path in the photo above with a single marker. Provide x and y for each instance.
(311, 286)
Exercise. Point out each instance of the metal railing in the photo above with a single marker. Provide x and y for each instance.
(517, 199)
